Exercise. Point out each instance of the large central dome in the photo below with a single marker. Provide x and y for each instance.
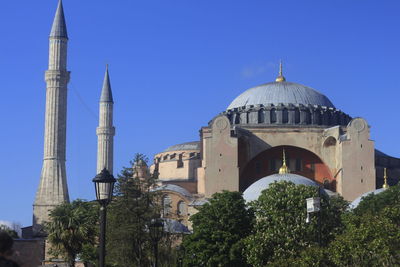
(280, 92)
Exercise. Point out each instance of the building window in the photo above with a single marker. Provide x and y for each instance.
(299, 165)
(258, 167)
(272, 165)
(181, 209)
(273, 115)
(180, 161)
(312, 166)
(285, 116)
(172, 156)
(166, 203)
(165, 157)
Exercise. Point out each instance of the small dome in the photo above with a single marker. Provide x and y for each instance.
(185, 146)
(254, 190)
(280, 92)
(357, 201)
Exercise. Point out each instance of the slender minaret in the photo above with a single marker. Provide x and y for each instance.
(53, 188)
(106, 131)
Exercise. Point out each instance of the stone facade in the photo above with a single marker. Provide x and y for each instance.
(244, 144)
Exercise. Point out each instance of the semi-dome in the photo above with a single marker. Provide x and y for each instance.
(280, 92)
(254, 190)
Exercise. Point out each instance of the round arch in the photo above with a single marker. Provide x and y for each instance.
(299, 160)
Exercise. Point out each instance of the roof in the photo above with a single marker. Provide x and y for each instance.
(174, 188)
(280, 93)
(357, 201)
(254, 190)
(184, 146)
(174, 227)
(59, 28)
(106, 93)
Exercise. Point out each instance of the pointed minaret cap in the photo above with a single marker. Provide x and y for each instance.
(280, 78)
(106, 93)
(59, 28)
(284, 169)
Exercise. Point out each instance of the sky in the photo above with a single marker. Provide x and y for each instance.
(176, 64)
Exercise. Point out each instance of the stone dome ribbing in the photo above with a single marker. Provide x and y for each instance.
(280, 93)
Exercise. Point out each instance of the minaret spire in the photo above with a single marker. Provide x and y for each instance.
(53, 189)
(59, 28)
(280, 78)
(284, 169)
(106, 131)
(385, 184)
(106, 93)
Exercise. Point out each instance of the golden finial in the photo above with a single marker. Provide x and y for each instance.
(385, 184)
(284, 169)
(280, 78)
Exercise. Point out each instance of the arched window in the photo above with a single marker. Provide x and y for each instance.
(261, 116)
(273, 116)
(285, 116)
(166, 203)
(181, 209)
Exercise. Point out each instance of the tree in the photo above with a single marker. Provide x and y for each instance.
(372, 235)
(130, 213)
(369, 240)
(9, 231)
(71, 227)
(281, 230)
(218, 230)
(375, 203)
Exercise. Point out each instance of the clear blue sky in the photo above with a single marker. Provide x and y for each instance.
(174, 65)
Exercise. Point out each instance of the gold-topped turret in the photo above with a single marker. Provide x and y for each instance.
(385, 184)
(284, 169)
(280, 78)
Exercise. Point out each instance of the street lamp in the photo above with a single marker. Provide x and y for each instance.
(104, 185)
(156, 229)
(314, 206)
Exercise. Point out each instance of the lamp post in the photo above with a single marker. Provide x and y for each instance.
(156, 229)
(314, 206)
(104, 185)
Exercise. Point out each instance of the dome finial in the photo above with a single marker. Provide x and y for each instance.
(280, 78)
(284, 169)
(385, 184)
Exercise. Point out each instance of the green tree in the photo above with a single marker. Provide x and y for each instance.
(218, 230)
(9, 231)
(375, 203)
(369, 240)
(130, 213)
(281, 230)
(71, 227)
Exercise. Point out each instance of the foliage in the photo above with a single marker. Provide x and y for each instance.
(71, 227)
(314, 256)
(9, 231)
(281, 230)
(130, 213)
(370, 239)
(218, 229)
(374, 203)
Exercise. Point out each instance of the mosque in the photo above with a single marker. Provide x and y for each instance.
(242, 146)
(239, 150)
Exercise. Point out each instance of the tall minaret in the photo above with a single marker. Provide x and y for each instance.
(53, 188)
(106, 131)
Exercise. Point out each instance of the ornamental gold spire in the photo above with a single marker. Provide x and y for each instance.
(280, 78)
(385, 184)
(284, 169)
